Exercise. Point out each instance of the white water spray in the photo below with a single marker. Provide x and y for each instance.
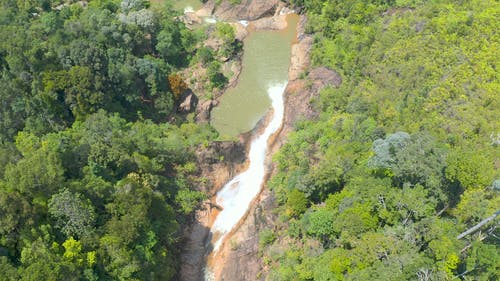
(210, 20)
(235, 197)
(188, 9)
(244, 22)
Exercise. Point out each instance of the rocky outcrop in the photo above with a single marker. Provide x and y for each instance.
(301, 52)
(246, 10)
(218, 163)
(270, 23)
(299, 94)
(207, 9)
(240, 31)
(190, 19)
(322, 77)
(203, 111)
(188, 102)
(240, 254)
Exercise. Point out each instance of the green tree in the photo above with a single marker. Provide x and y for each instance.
(296, 203)
(74, 214)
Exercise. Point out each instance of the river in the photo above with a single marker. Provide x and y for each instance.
(260, 89)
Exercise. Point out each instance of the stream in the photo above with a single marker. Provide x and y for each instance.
(235, 197)
(258, 94)
(260, 89)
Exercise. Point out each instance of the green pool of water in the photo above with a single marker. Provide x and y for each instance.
(266, 59)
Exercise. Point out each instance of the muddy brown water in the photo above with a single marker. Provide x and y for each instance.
(266, 60)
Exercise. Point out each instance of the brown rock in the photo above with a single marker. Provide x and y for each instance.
(242, 261)
(203, 111)
(240, 31)
(246, 10)
(300, 59)
(188, 102)
(323, 76)
(270, 23)
(218, 162)
(192, 18)
(207, 9)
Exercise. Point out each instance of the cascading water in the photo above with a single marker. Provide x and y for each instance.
(236, 196)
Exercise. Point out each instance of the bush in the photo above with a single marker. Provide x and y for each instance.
(266, 237)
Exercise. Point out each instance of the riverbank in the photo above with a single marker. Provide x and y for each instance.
(238, 255)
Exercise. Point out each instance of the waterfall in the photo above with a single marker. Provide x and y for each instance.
(235, 197)
(188, 9)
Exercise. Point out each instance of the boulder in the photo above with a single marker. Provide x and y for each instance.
(240, 31)
(203, 111)
(188, 102)
(191, 18)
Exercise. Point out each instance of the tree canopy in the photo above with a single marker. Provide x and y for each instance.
(403, 156)
(95, 183)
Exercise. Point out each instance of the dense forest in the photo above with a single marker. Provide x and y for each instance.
(405, 155)
(97, 168)
(95, 182)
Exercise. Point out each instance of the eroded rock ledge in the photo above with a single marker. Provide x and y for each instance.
(241, 254)
(246, 10)
(219, 162)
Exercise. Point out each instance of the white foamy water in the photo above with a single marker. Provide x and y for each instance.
(235, 197)
(210, 20)
(243, 22)
(188, 9)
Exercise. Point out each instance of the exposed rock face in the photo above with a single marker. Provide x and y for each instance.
(240, 252)
(301, 57)
(323, 76)
(188, 102)
(246, 10)
(207, 9)
(242, 261)
(203, 111)
(270, 23)
(218, 163)
(240, 31)
(299, 94)
(192, 257)
(235, 67)
(189, 19)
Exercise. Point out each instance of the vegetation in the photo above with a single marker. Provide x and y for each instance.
(397, 179)
(94, 184)
(404, 156)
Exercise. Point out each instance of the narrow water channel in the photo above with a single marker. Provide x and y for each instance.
(235, 197)
(260, 90)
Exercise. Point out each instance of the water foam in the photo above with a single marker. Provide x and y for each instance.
(188, 9)
(235, 197)
(210, 20)
(244, 22)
